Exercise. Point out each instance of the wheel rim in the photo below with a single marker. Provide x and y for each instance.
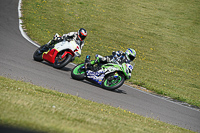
(113, 82)
(77, 70)
(59, 60)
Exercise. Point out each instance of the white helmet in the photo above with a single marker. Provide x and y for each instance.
(130, 54)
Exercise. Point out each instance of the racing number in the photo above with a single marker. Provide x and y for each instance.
(77, 48)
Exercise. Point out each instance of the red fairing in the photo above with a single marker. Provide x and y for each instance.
(67, 52)
(50, 56)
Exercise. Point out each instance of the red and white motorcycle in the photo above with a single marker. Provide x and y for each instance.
(60, 54)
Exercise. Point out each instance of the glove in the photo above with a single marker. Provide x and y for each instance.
(56, 36)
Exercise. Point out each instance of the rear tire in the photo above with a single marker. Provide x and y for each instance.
(111, 83)
(60, 63)
(78, 74)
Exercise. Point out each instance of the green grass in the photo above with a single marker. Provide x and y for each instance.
(165, 35)
(26, 106)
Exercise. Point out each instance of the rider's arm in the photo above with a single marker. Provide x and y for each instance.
(103, 59)
(56, 38)
(70, 35)
(81, 44)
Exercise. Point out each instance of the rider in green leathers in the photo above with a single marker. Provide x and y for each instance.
(121, 57)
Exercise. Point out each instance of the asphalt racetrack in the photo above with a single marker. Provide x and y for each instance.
(16, 62)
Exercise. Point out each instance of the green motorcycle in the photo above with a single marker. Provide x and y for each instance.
(110, 75)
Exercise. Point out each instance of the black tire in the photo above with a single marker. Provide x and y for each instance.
(60, 63)
(119, 81)
(78, 74)
(37, 56)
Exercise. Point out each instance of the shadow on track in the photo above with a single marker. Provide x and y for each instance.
(51, 65)
(93, 83)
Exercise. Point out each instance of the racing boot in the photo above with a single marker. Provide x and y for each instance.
(87, 61)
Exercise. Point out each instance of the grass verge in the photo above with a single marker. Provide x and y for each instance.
(30, 107)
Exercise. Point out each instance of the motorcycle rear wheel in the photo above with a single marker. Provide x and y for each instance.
(77, 73)
(60, 63)
(37, 56)
(112, 83)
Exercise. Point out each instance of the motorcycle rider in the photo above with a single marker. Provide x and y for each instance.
(78, 37)
(120, 56)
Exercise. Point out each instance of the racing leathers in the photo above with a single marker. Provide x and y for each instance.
(69, 36)
(117, 57)
(74, 36)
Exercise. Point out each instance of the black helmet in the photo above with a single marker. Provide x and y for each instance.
(82, 33)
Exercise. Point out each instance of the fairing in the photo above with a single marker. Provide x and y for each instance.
(69, 47)
(100, 74)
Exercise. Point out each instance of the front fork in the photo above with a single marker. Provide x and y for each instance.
(115, 76)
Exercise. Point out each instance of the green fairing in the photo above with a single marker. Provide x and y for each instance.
(123, 68)
(113, 75)
(92, 62)
(75, 71)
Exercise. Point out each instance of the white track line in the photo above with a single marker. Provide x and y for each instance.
(20, 26)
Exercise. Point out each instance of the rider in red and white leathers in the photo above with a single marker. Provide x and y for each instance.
(78, 37)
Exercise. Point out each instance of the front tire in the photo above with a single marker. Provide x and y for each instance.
(111, 82)
(37, 56)
(60, 63)
(77, 73)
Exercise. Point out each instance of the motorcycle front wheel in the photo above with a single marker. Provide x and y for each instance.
(61, 62)
(37, 56)
(77, 73)
(112, 82)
